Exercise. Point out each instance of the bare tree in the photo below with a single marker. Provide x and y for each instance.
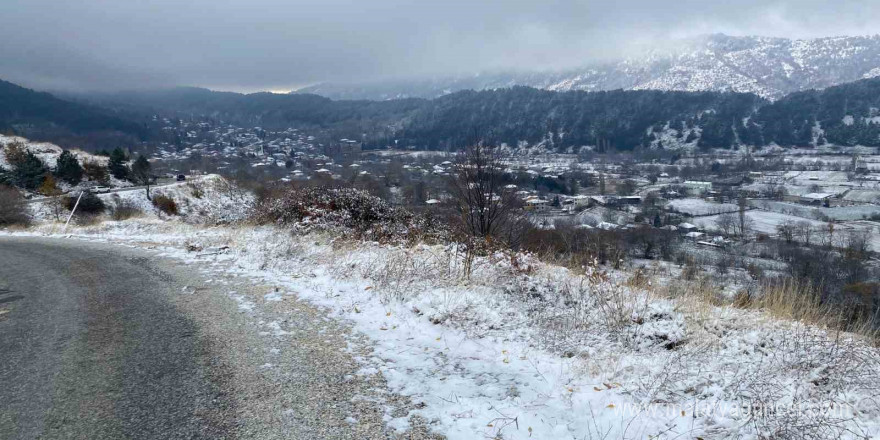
(804, 230)
(484, 206)
(745, 222)
(828, 231)
(787, 231)
(50, 189)
(141, 173)
(726, 223)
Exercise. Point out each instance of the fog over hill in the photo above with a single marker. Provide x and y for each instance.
(769, 67)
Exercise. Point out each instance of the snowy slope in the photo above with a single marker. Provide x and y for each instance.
(47, 152)
(524, 350)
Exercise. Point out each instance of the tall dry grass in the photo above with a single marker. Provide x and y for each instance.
(795, 300)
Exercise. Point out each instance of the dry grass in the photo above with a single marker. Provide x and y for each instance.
(792, 300)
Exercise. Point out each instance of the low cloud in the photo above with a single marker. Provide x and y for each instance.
(275, 44)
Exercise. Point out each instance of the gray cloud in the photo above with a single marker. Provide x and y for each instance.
(277, 44)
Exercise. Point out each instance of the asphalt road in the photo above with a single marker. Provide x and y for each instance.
(91, 348)
(101, 341)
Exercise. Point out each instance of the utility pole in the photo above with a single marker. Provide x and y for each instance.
(72, 211)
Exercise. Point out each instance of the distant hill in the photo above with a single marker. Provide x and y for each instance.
(557, 121)
(768, 67)
(42, 116)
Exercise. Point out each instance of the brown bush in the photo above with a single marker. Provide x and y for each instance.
(347, 210)
(13, 210)
(123, 209)
(165, 204)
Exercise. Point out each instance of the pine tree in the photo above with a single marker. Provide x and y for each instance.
(68, 168)
(117, 164)
(28, 170)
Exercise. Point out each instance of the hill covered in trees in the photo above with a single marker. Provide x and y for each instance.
(42, 116)
(559, 121)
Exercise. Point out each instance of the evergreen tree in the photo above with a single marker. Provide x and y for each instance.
(117, 166)
(68, 168)
(28, 171)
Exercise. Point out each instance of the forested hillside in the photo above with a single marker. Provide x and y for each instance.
(559, 121)
(619, 120)
(625, 120)
(44, 117)
(843, 115)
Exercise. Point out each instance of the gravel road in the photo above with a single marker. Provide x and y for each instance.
(105, 341)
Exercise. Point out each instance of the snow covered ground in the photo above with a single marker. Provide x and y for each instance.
(857, 212)
(765, 222)
(207, 199)
(48, 153)
(522, 349)
(698, 207)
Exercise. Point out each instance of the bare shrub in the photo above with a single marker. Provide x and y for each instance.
(165, 204)
(349, 211)
(13, 209)
(123, 209)
(196, 190)
(484, 206)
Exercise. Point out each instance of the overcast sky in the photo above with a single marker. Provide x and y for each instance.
(249, 45)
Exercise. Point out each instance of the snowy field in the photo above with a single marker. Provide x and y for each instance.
(859, 212)
(863, 196)
(763, 221)
(700, 207)
(766, 222)
(522, 349)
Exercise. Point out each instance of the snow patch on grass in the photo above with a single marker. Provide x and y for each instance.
(522, 349)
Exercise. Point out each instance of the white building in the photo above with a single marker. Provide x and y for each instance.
(698, 187)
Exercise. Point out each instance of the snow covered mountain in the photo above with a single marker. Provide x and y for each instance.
(769, 67)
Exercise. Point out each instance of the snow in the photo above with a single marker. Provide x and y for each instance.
(522, 349)
(841, 213)
(763, 221)
(698, 207)
(47, 152)
(209, 199)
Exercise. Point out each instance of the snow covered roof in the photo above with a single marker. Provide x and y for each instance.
(818, 196)
(686, 225)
